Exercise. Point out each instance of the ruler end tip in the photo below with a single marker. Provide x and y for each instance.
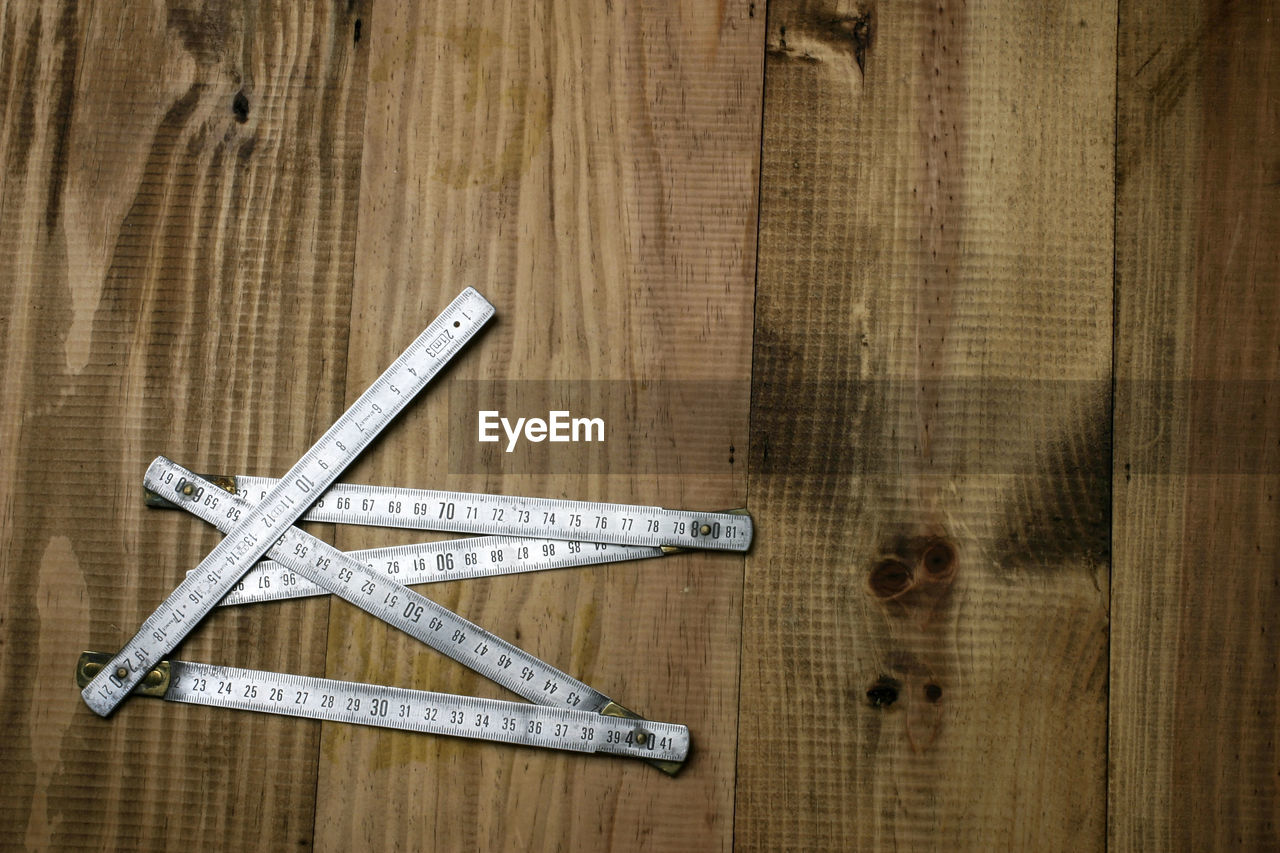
(474, 295)
(743, 544)
(750, 525)
(96, 704)
(671, 768)
(89, 666)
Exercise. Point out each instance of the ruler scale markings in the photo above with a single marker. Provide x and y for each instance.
(392, 602)
(434, 562)
(502, 515)
(253, 533)
(416, 710)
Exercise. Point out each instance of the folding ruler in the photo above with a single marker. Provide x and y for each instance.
(257, 517)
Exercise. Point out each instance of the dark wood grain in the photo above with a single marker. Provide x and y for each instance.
(1196, 579)
(924, 653)
(177, 225)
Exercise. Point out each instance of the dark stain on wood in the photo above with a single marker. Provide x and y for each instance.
(847, 35)
(1060, 514)
(24, 126)
(64, 106)
(207, 32)
(854, 32)
(811, 429)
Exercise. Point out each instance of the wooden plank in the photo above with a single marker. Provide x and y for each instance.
(591, 168)
(1196, 584)
(924, 657)
(177, 243)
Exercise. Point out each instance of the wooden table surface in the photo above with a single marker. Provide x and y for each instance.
(973, 306)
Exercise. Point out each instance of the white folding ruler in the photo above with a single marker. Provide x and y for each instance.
(663, 744)
(257, 519)
(593, 533)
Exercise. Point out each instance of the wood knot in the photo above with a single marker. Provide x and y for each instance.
(890, 579)
(883, 693)
(914, 576)
(939, 561)
(240, 107)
